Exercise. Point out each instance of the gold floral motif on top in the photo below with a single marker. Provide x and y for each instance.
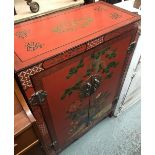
(115, 15)
(69, 26)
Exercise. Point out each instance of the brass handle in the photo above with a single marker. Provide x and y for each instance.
(96, 81)
(86, 90)
(89, 87)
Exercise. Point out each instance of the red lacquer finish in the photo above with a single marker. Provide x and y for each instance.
(38, 39)
(65, 54)
(55, 82)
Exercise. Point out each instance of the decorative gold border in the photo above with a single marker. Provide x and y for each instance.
(24, 76)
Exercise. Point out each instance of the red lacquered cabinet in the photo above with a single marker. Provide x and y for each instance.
(71, 65)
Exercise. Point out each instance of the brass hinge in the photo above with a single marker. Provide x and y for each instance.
(131, 47)
(38, 97)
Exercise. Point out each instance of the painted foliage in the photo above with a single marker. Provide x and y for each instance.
(101, 63)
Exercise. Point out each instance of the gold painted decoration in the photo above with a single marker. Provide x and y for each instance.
(22, 34)
(33, 46)
(100, 8)
(24, 76)
(73, 25)
(115, 15)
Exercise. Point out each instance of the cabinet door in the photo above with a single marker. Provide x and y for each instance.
(65, 109)
(110, 61)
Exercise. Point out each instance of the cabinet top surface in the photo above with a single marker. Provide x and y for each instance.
(46, 36)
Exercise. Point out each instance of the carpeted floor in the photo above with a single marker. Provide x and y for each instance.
(112, 136)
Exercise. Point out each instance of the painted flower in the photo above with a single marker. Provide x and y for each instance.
(74, 106)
